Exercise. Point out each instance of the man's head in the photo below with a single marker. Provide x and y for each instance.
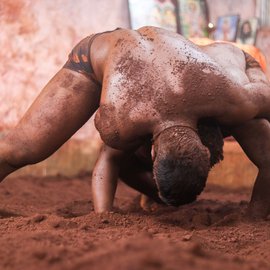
(181, 165)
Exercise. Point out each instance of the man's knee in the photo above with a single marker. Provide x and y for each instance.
(7, 160)
(17, 154)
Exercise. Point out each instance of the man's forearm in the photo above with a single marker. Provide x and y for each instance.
(104, 182)
(260, 201)
(104, 179)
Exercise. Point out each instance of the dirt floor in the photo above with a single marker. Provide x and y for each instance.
(50, 224)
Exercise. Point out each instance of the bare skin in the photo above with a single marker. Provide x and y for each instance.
(131, 167)
(253, 137)
(151, 80)
(62, 107)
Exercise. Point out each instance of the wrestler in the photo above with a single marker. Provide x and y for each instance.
(151, 82)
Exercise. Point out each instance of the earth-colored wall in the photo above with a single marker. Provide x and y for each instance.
(35, 39)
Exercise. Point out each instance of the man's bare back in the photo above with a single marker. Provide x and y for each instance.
(199, 82)
(149, 82)
(154, 79)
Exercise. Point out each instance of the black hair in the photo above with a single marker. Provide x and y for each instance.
(181, 166)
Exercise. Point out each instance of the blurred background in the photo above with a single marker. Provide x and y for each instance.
(37, 36)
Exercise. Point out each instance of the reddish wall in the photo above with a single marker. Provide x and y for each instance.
(35, 39)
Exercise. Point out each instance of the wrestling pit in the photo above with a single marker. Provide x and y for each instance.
(47, 222)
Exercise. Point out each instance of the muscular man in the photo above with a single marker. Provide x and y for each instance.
(151, 82)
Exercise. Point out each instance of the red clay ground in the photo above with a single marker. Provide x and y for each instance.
(50, 224)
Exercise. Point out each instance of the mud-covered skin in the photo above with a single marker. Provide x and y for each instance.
(151, 80)
(154, 78)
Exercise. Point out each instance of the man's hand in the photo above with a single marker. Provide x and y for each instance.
(254, 138)
(148, 204)
(104, 179)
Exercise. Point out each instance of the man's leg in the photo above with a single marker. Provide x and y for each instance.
(62, 107)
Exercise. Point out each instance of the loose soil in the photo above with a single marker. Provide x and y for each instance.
(50, 224)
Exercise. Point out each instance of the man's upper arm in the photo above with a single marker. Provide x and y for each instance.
(254, 138)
